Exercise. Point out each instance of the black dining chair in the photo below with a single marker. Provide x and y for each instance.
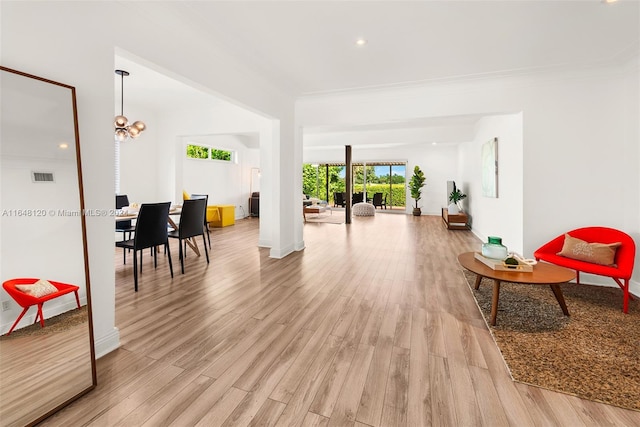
(191, 225)
(124, 227)
(357, 198)
(206, 224)
(378, 200)
(339, 199)
(150, 232)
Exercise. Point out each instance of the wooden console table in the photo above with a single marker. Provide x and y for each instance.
(459, 221)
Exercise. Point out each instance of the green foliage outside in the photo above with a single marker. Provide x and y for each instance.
(314, 184)
(396, 196)
(197, 152)
(220, 154)
(202, 152)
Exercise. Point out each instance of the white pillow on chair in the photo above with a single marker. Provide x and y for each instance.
(39, 289)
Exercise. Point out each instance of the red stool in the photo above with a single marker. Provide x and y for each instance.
(26, 301)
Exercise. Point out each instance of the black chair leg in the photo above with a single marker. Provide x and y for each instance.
(209, 235)
(166, 245)
(135, 271)
(155, 257)
(206, 251)
(124, 250)
(181, 256)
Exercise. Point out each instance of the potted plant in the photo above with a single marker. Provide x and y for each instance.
(415, 186)
(455, 197)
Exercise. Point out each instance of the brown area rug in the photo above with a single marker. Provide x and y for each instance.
(594, 353)
(58, 323)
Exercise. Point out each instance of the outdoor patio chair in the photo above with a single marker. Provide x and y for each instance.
(378, 200)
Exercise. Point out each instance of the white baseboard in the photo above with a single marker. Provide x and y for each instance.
(634, 288)
(106, 344)
(281, 253)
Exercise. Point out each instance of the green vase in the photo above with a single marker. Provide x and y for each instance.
(494, 248)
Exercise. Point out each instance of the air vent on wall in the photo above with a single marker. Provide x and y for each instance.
(42, 177)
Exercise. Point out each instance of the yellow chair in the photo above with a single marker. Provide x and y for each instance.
(226, 215)
(213, 214)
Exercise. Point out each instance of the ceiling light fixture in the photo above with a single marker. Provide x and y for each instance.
(124, 130)
(361, 42)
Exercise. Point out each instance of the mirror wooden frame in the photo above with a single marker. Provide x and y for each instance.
(45, 412)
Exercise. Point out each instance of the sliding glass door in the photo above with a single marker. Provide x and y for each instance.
(323, 181)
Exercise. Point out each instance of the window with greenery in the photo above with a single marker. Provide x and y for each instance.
(387, 178)
(220, 154)
(197, 152)
(204, 152)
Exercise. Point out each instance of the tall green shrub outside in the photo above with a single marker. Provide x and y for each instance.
(395, 197)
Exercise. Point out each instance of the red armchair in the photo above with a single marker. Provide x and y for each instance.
(620, 272)
(26, 301)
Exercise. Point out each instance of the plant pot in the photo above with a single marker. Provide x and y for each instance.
(417, 211)
(453, 209)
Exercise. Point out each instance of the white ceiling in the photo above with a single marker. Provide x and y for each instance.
(308, 47)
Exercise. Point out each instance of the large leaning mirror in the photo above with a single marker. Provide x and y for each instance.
(43, 244)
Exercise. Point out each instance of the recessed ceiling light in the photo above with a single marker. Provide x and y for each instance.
(434, 143)
(361, 42)
(608, 1)
(63, 145)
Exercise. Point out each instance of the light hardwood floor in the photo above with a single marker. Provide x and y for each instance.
(371, 325)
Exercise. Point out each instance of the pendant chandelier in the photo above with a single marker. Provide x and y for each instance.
(124, 130)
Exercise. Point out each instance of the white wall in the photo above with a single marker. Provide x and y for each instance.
(223, 119)
(226, 183)
(501, 216)
(139, 160)
(74, 43)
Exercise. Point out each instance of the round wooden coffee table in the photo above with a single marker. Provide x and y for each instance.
(542, 274)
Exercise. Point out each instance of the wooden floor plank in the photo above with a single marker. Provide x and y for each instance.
(419, 403)
(487, 397)
(372, 400)
(344, 412)
(313, 350)
(394, 412)
(334, 381)
(259, 394)
(268, 414)
(300, 399)
(443, 404)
